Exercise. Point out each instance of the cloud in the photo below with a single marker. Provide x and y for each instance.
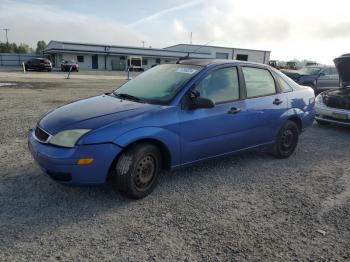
(32, 22)
(295, 29)
(162, 13)
(334, 31)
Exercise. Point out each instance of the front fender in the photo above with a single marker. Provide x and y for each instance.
(169, 139)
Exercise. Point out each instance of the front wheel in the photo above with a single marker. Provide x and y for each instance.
(137, 170)
(287, 140)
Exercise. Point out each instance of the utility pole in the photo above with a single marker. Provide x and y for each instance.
(6, 29)
(191, 38)
(143, 44)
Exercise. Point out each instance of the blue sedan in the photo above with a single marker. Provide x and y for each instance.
(172, 115)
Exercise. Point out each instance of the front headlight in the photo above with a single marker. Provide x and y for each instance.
(68, 138)
(319, 99)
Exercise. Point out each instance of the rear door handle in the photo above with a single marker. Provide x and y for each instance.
(234, 110)
(277, 102)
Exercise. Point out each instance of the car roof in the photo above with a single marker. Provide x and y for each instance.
(209, 62)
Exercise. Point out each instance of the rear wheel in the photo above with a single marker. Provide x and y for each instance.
(287, 140)
(137, 170)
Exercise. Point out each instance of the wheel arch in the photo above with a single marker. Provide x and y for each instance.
(166, 155)
(296, 119)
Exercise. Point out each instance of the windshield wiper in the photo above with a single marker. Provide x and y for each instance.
(128, 97)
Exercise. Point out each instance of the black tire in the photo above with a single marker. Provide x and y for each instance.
(137, 170)
(322, 123)
(287, 140)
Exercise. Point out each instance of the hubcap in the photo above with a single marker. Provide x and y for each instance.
(287, 139)
(145, 171)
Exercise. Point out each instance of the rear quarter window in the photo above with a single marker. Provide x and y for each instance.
(288, 80)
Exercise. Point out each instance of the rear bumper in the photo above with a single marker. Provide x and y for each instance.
(61, 163)
(332, 115)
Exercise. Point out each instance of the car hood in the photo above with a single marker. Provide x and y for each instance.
(91, 113)
(342, 64)
(294, 73)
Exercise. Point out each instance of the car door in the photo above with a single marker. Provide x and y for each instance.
(329, 78)
(225, 128)
(266, 101)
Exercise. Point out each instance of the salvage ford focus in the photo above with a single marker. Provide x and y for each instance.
(171, 116)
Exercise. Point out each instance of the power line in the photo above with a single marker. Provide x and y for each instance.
(6, 29)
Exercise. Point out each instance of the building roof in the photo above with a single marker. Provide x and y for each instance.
(169, 52)
(213, 46)
(56, 46)
(207, 62)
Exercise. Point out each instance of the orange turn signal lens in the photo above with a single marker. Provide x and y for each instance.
(85, 161)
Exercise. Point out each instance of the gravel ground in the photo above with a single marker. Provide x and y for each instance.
(249, 207)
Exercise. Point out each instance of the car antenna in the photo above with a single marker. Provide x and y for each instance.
(188, 53)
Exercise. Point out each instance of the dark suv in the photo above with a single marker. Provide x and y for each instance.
(38, 64)
(320, 78)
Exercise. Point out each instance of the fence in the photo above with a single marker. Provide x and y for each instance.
(11, 59)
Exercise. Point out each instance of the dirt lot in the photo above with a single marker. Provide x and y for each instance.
(248, 207)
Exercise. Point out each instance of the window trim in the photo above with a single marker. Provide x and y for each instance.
(277, 87)
(279, 79)
(216, 69)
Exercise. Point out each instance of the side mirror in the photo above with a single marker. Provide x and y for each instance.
(201, 102)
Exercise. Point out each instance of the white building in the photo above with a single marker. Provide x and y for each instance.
(112, 57)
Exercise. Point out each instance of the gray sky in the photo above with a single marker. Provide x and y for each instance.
(317, 30)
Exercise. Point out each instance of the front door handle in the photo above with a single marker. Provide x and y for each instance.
(234, 110)
(277, 102)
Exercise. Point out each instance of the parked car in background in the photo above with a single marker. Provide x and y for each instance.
(292, 65)
(320, 78)
(333, 106)
(38, 64)
(171, 116)
(67, 64)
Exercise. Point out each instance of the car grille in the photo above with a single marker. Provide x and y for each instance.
(41, 135)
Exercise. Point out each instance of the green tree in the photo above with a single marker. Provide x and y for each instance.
(23, 48)
(8, 47)
(40, 46)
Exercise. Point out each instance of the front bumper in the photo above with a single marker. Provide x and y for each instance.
(332, 115)
(61, 163)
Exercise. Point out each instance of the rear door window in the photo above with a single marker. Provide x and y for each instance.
(220, 86)
(258, 82)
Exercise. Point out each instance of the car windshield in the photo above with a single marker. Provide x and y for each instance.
(309, 70)
(159, 84)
